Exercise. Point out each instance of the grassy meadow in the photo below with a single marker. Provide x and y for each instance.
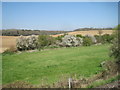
(49, 66)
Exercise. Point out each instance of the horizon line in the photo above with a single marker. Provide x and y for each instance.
(55, 29)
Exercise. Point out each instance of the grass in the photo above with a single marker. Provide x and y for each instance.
(50, 66)
(103, 82)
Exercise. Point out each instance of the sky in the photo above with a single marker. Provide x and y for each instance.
(60, 0)
(59, 15)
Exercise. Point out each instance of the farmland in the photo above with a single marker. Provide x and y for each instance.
(50, 66)
(91, 32)
(69, 45)
(10, 41)
(7, 42)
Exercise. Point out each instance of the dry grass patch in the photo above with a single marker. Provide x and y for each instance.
(7, 42)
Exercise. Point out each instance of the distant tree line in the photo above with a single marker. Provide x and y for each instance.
(24, 32)
(88, 29)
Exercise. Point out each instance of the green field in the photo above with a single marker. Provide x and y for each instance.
(50, 66)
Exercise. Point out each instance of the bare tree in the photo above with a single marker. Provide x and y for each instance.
(100, 32)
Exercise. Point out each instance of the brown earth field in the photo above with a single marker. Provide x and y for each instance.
(10, 41)
(7, 42)
(91, 32)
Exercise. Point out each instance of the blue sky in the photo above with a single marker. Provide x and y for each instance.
(59, 15)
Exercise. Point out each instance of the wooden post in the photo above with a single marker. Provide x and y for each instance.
(70, 81)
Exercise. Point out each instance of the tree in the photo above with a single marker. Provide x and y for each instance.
(100, 32)
(45, 40)
(87, 41)
(115, 49)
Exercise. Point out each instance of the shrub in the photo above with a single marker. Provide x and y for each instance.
(79, 35)
(115, 49)
(100, 32)
(98, 38)
(32, 42)
(59, 38)
(92, 38)
(27, 43)
(21, 43)
(45, 40)
(106, 38)
(87, 41)
(70, 40)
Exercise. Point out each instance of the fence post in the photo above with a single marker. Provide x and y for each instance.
(70, 82)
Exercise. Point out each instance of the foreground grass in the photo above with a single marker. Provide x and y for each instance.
(103, 82)
(51, 65)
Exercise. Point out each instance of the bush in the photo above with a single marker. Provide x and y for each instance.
(45, 40)
(79, 35)
(92, 38)
(115, 49)
(100, 32)
(106, 38)
(70, 40)
(98, 38)
(59, 38)
(87, 41)
(27, 42)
